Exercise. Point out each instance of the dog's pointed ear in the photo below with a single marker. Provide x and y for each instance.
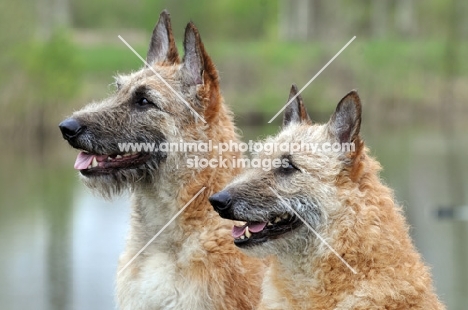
(295, 112)
(345, 123)
(197, 63)
(193, 58)
(162, 47)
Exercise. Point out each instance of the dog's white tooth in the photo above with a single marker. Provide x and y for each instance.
(269, 224)
(277, 219)
(94, 162)
(118, 156)
(242, 237)
(247, 233)
(285, 216)
(89, 167)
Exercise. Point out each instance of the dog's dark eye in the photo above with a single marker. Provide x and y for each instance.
(287, 166)
(143, 103)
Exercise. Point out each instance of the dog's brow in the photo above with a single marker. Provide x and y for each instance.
(142, 89)
(145, 90)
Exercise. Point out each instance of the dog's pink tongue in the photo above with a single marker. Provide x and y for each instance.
(238, 231)
(257, 227)
(83, 160)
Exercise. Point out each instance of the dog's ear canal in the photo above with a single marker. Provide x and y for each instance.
(295, 112)
(345, 123)
(162, 47)
(197, 63)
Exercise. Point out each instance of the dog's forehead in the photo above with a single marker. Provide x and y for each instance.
(303, 144)
(155, 75)
(279, 145)
(297, 133)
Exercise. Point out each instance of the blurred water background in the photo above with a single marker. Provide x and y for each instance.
(59, 244)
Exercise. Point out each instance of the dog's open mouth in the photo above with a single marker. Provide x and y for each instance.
(253, 233)
(94, 164)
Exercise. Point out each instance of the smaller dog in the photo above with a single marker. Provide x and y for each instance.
(335, 236)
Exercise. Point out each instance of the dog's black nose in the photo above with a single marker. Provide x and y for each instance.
(220, 201)
(70, 128)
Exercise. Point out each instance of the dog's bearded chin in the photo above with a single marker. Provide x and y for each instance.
(94, 164)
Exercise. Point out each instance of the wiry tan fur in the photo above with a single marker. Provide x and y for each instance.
(193, 263)
(342, 197)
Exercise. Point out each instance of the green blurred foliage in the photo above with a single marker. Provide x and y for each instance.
(53, 68)
(15, 31)
(253, 18)
(104, 61)
(244, 19)
(108, 14)
(256, 63)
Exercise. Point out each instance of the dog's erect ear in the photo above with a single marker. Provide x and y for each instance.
(162, 47)
(193, 58)
(295, 112)
(345, 123)
(197, 63)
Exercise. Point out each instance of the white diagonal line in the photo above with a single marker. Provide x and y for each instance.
(161, 230)
(313, 230)
(162, 80)
(312, 79)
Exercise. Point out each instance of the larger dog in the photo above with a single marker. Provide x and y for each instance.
(336, 237)
(193, 263)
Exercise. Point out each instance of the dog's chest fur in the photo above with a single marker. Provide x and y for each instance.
(272, 299)
(164, 275)
(161, 284)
